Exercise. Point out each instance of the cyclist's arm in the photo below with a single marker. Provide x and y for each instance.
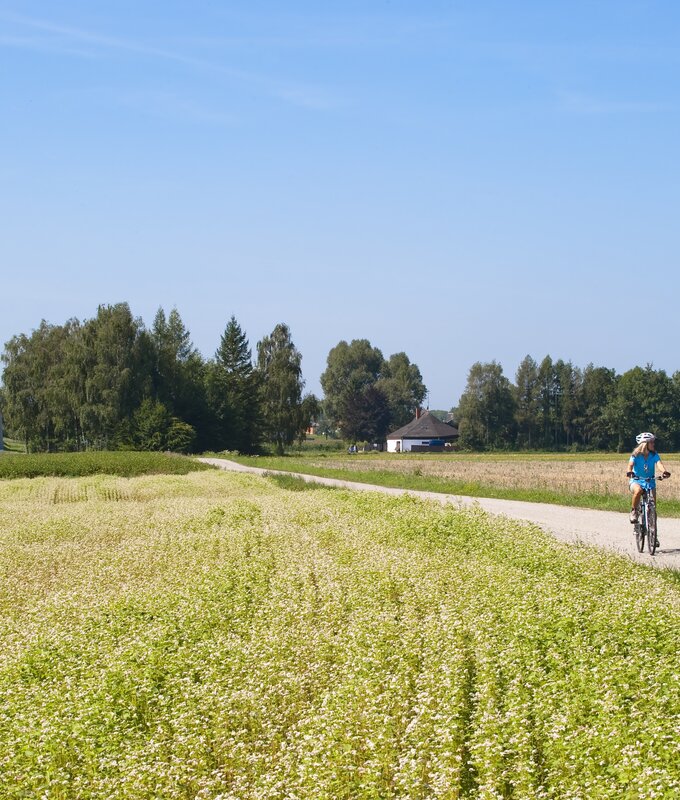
(631, 464)
(661, 466)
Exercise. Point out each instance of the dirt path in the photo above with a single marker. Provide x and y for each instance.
(602, 528)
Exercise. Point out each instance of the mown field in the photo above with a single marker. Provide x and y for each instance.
(218, 635)
(585, 480)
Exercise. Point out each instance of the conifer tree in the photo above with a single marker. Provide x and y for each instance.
(233, 392)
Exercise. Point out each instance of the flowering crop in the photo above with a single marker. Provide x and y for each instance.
(216, 636)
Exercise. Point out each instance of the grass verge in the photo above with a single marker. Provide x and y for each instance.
(428, 483)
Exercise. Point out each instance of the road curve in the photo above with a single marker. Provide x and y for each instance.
(607, 529)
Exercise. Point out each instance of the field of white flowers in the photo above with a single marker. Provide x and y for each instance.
(217, 636)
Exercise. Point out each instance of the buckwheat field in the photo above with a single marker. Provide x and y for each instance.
(215, 635)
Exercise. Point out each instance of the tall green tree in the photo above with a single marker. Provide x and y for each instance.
(486, 411)
(21, 407)
(179, 373)
(280, 375)
(118, 373)
(350, 368)
(369, 418)
(598, 391)
(644, 401)
(568, 381)
(549, 412)
(402, 385)
(234, 392)
(366, 395)
(527, 403)
(39, 406)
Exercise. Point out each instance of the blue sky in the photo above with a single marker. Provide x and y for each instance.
(461, 181)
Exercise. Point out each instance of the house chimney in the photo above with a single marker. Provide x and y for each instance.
(418, 412)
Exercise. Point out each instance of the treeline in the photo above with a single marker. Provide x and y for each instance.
(110, 383)
(557, 406)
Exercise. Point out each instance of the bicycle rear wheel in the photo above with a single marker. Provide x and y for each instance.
(640, 536)
(651, 529)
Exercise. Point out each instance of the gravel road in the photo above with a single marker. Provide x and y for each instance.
(607, 529)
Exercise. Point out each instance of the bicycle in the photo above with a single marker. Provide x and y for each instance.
(645, 527)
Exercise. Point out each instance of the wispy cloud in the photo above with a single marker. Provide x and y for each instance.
(588, 105)
(42, 45)
(78, 42)
(61, 37)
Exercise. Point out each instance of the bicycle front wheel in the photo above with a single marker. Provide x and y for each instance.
(651, 529)
(640, 536)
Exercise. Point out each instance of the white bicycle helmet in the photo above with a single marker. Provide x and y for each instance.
(645, 437)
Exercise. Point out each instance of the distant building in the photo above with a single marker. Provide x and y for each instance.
(425, 434)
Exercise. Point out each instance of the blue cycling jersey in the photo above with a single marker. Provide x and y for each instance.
(644, 467)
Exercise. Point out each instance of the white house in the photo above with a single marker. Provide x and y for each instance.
(424, 433)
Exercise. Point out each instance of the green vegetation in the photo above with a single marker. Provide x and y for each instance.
(217, 636)
(293, 483)
(555, 405)
(13, 446)
(112, 383)
(109, 383)
(285, 415)
(124, 464)
(366, 395)
(568, 482)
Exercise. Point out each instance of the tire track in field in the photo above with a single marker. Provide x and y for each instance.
(607, 529)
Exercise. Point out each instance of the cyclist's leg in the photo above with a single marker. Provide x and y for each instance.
(635, 501)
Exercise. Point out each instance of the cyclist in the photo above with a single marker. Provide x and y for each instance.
(641, 465)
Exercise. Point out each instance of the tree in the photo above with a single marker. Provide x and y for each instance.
(568, 385)
(548, 403)
(310, 409)
(281, 384)
(152, 427)
(486, 408)
(354, 399)
(598, 391)
(233, 392)
(39, 406)
(21, 409)
(527, 402)
(402, 385)
(118, 372)
(350, 368)
(369, 416)
(179, 373)
(645, 401)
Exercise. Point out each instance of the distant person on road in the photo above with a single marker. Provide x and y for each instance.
(642, 464)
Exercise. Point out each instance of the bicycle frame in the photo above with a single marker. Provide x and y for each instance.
(647, 513)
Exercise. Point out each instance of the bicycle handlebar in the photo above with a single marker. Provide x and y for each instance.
(650, 478)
